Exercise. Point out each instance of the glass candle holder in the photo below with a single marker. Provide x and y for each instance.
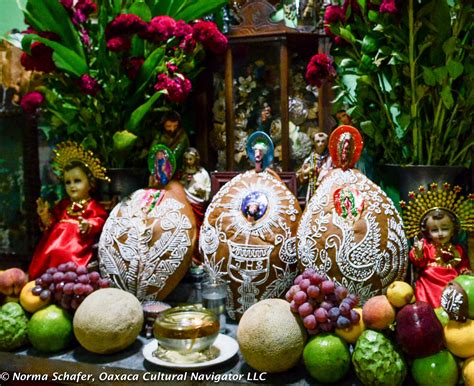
(214, 294)
(151, 310)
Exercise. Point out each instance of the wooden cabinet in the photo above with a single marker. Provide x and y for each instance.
(262, 87)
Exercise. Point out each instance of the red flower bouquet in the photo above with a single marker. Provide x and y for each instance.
(106, 72)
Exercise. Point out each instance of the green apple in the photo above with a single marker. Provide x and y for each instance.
(437, 369)
(467, 283)
(442, 315)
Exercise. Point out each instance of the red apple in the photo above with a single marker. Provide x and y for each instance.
(419, 332)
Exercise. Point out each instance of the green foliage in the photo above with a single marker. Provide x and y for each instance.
(407, 80)
(117, 122)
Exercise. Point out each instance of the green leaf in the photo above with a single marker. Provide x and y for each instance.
(368, 128)
(63, 57)
(50, 15)
(441, 74)
(362, 5)
(455, 69)
(429, 76)
(140, 9)
(449, 46)
(123, 140)
(447, 97)
(348, 62)
(346, 34)
(140, 112)
(369, 44)
(197, 9)
(373, 16)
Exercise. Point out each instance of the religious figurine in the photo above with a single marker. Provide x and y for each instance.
(162, 164)
(437, 213)
(316, 166)
(260, 150)
(350, 230)
(73, 225)
(265, 119)
(172, 135)
(343, 118)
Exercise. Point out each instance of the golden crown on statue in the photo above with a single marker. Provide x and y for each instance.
(68, 151)
(437, 198)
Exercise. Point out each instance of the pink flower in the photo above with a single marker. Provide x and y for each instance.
(319, 69)
(31, 101)
(41, 58)
(160, 29)
(211, 38)
(125, 25)
(188, 44)
(67, 3)
(89, 85)
(177, 88)
(119, 44)
(182, 29)
(133, 65)
(388, 6)
(172, 68)
(83, 9)
(333, 15)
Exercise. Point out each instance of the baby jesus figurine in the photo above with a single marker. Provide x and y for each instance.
(437, 258)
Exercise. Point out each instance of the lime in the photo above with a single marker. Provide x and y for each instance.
(50, 329)
(436, 369)
(327, 358)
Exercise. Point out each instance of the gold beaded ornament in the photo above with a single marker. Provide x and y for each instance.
(68, 151)
(433, 198)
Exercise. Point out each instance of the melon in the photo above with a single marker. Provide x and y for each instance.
(108, 320)
(271, 338)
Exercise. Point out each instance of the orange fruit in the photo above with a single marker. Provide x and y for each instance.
(30, 302)
(352, 333)
(468, 372)
(459, 338)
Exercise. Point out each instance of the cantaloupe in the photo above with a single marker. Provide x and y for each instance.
(108, 320)
(271, 338)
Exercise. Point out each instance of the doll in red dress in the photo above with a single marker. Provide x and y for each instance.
(74, 224)
(437, 258)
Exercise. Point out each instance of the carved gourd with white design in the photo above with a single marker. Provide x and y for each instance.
(350, 230)
(248, 238)
(147, 242)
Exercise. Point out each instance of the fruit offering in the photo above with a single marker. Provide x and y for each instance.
(13, 322)
(67, 284)
(12, 281)
(322, 304)
(376, 361)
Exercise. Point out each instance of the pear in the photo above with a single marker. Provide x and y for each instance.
(399, 293)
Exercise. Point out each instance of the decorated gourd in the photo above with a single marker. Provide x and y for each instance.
(248, 233)
(350, 229)
(148, 240)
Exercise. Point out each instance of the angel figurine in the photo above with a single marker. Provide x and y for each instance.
(74, 224)
(437, 215)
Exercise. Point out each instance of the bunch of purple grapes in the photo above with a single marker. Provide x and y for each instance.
(68, 285)
(321, 303)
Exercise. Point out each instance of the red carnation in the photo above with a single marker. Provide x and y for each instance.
(133, 65)
(177, 87)
(333, 14)
(320, 68)
(67, 3)
(388, 6)
(125, 25)
(182, 29)
(188, 44)
(119, 44)
(83, 9)
(31, 101)
(211, 38)
(89, 85)
(41, 58)
(160, 29)
(172, 68)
